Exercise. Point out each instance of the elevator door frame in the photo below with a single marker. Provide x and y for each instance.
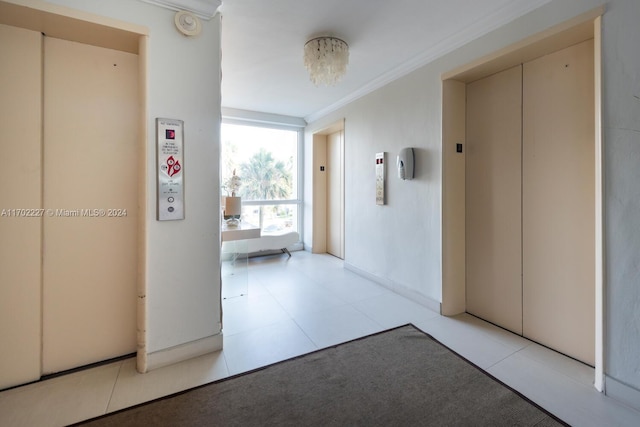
(73, 25)
(581, 28)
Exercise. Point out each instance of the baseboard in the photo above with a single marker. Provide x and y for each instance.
(184, 352)
(398, 288)
(622, 393)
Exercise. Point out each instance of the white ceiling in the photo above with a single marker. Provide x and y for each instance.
(263, 40)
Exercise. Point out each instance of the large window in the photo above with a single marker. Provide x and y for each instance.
(266, 161)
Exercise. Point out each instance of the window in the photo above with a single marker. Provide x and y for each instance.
(267, 162)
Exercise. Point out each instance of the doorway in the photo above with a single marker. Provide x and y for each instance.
(573, 32)
(328, 190)
(529, 196)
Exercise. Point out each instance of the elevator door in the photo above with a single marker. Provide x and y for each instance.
(90, 181)
(20, 206)
(559, 201)
(493, 199)
(530, 210)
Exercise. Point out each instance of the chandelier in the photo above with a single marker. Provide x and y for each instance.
(326, 59)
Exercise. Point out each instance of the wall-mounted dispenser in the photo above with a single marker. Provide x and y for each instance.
(405, 163)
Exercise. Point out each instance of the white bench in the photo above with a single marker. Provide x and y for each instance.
(267, 242)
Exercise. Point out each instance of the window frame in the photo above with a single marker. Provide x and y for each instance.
(299, 196)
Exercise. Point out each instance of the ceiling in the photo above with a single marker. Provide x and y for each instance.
(262, 45)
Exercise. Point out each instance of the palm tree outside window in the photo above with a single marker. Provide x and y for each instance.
(266, 160)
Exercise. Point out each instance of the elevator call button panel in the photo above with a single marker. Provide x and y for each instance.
(169, 134)
(380, 177)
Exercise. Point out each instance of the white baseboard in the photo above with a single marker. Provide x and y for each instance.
(622, 393)
(398, 288)
(184, 352)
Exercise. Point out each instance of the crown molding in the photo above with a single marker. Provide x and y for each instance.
(235, 115)
(205, 9)
(479, 28)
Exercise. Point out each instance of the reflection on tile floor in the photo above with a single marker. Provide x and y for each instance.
(303, 303)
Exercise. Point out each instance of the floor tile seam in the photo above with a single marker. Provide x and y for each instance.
(261, 326)
(517, 352)
(304, 271)
(273, 294)
(366, 315)
(551, 367)
(540, 399)
(546, 367)
(113, 388)
(433, 331)
(315, 344)
(370, 297)
(564, 411)
(513, 351)
(511, 354)
(318, 312)
(323, 288)
(224, 356)
(454, 346)
(360, 335)
(279, 303)
(282, 322)
(288, 293)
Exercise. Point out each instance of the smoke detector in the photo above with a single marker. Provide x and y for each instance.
(187, 23)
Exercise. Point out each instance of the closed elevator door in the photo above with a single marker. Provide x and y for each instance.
(20, 231)
(91, 117)
(530, 215)
(559, 201)
(335, 194)
(493, 199)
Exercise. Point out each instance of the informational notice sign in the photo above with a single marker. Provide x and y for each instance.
(380, 176)
(169, 134)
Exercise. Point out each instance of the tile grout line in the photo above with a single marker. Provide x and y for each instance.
(552, 368)
(513, 353)
(226, 362)
(113, 388)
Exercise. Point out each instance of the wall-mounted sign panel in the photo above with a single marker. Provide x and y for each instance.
(169, 134)
(380, 172)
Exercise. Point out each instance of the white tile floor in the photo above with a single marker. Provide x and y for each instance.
(302, 304)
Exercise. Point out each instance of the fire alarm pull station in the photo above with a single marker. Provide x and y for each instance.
(380, 178)
(169, 133)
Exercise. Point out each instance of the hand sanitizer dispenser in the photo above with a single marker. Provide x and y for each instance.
(405, 164)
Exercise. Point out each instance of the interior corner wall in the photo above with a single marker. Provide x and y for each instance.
(397, 243)
(182, 262)
(621, 144)
(400, 242)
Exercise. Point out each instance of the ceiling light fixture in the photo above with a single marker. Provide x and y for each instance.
(326, 59)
